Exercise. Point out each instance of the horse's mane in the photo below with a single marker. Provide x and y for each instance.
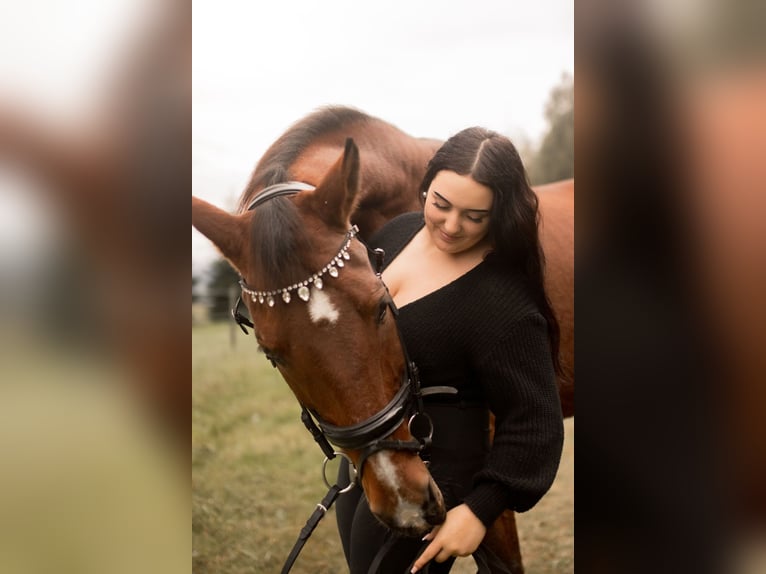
(277, 236)
(275, 164)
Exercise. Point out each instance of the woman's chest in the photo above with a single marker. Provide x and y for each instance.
(416, 273)
(411, 279)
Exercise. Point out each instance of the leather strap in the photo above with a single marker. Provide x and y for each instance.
(311, 524)
(278, 190)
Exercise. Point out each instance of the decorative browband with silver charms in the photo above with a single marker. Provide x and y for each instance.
(302, 289)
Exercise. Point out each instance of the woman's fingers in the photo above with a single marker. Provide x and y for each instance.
(431, 535)
(431, 551)
(460, 535)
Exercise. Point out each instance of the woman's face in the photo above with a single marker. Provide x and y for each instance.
(457, 212)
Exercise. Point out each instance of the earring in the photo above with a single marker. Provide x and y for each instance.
(425, 193)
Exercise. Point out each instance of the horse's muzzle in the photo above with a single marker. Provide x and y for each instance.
(416, 519)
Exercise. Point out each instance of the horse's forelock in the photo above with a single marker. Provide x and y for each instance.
(277, 241)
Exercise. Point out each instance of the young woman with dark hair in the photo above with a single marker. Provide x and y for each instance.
(467, 276)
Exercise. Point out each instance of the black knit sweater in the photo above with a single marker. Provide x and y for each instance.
(483, 334)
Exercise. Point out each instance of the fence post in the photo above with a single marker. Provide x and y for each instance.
(232, 324)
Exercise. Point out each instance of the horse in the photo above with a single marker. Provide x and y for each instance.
(356, 172)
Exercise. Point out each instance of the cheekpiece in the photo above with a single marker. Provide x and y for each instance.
(302, 289)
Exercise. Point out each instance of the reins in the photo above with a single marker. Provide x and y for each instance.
(370, 435)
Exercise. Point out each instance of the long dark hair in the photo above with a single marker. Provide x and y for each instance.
(492, 160)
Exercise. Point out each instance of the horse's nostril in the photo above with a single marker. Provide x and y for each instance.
(434, 511)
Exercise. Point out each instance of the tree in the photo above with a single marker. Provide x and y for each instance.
(223, 278)
(555, 157)
(195, 285)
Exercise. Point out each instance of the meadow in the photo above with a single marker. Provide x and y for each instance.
(256, 474)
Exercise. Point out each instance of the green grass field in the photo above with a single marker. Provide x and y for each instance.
(256, 474)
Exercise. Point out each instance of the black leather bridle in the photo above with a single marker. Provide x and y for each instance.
(370, 435)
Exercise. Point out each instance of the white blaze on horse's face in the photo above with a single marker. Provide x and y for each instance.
(321, 308)
(407, 514)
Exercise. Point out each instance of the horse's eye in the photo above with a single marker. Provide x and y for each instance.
(382, 310)
(270, 355)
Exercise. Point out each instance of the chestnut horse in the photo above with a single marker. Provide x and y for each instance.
(281, 246)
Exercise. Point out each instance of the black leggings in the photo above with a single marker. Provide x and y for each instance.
(461, 442)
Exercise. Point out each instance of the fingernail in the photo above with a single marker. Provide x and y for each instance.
(414, 569)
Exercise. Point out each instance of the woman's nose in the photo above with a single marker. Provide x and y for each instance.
(452, 223)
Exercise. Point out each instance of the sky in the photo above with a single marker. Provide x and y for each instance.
(429, 67)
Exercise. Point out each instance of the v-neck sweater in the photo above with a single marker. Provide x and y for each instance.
(483, 334)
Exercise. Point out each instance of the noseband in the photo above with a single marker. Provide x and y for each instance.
(370, 435)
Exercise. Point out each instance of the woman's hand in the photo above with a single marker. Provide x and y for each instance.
(460, 535)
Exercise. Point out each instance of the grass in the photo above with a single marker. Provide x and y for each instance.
(256, 474)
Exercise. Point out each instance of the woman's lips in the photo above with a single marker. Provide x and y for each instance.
(446, 237)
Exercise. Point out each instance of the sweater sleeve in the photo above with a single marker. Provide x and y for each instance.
(518, 378)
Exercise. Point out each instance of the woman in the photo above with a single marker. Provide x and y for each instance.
(467, 276)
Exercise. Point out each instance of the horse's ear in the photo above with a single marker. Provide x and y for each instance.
(335, 197)
(225, 230)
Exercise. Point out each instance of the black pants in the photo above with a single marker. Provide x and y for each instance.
(460, 446)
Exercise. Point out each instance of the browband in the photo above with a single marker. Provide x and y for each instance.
(278, 190)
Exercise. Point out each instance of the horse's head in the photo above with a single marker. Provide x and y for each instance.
(322, 316)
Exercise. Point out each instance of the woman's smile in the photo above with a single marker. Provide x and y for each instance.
(447, 237)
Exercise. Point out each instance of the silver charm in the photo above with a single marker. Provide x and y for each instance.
(304, 293)
(333, 271)
(318, 283)
(270, 301)
(286, 296)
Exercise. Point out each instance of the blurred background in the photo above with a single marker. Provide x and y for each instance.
(95, 126)
(670, 286)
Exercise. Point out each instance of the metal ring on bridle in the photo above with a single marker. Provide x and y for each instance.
(351, 469)
(430, 433)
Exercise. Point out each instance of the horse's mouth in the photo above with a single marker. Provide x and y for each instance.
(412, 526)
(410, 519)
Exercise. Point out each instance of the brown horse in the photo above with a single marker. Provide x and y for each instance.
(336, 333)
(284, 241)
(557, 234)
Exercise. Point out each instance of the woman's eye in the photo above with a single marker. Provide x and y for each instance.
(475, 219)
(439, 206)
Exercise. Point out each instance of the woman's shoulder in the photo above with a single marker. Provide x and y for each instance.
(395, 234)
(502, 292)
(501, 308)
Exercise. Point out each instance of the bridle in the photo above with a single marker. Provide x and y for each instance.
(370, 435)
